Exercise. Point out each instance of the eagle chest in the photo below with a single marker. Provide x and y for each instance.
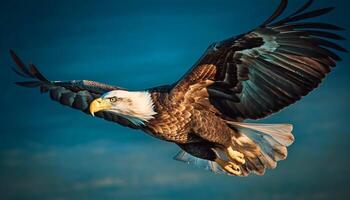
(172, 123)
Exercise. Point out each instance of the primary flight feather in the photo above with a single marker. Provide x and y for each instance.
(249, 76)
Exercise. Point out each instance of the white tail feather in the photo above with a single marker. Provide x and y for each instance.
(262, 144)
(268, 144)
(282, 133)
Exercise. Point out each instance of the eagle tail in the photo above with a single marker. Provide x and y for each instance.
(262, 145)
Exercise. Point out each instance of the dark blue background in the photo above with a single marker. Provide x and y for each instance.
(48, 151)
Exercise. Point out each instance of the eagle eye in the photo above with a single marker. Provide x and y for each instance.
(113, 99)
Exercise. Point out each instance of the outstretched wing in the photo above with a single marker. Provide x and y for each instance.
(268, 68)
(76, 94)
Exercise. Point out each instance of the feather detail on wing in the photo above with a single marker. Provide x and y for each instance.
(270, 67)
(76, 94)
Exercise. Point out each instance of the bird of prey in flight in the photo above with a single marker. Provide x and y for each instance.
(249, 76)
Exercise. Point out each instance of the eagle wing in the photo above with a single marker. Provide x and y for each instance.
(268, 68)
(77, 94)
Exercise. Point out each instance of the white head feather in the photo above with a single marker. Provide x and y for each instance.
(137, 107)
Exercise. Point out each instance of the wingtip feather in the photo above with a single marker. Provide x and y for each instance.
(280, 9)
(29, 84)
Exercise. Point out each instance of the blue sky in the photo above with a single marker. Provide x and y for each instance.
(51, 152)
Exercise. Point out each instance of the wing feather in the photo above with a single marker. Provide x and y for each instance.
(277, 13)
(271, 66)
(310, 14)
(302, 8)
(77, 94)
(309, 25)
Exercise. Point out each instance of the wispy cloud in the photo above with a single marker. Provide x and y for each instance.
(99, 183)
(170, 179)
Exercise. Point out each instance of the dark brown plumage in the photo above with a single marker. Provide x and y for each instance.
(249, 76)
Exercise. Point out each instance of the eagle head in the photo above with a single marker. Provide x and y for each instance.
(137, 107)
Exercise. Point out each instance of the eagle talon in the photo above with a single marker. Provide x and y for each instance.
(235, 156)
(229, 167)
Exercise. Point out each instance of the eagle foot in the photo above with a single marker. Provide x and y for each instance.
(235, 156)
(229, 167)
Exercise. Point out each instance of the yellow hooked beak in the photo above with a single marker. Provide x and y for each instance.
(98, 105)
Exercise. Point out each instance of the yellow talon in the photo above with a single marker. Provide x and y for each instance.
(234, 155)
(229, 167)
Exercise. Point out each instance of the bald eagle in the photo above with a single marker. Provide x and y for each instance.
(249, 76)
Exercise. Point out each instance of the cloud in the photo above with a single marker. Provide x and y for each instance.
(106, 182)
(171, 179)
(154, 180)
